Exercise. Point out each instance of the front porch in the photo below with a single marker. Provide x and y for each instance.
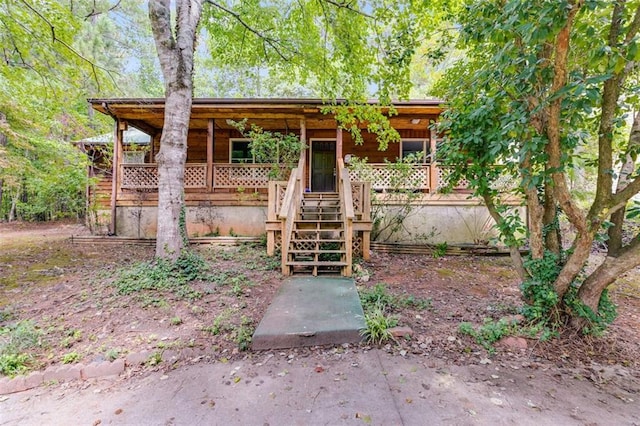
(228, 191)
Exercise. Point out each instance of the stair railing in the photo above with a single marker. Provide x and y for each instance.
(290, 207)
(346, 204)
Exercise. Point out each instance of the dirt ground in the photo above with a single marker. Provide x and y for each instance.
(66, 289)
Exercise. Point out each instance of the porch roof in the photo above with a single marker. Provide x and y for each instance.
(147, 114)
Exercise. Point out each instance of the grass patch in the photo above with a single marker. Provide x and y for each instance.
(16, 341)
(163, 275)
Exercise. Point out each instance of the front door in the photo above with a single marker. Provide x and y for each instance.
(323, 166)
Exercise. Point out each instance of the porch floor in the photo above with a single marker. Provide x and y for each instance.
(309, 311)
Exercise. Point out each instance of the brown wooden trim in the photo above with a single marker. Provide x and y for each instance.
(115, 179)
(433, 172)
(210, 142)
(339, 142)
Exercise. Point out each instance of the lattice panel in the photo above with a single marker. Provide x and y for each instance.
(442, 175)
(278, 242)
(504, 183)
(309, 245)
(134, 177)
(357, 194)
(245, 175)
(195, 176)
(281, 191)
(385, 178)
(356, 244)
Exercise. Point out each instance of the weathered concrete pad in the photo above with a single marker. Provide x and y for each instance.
(309, 311)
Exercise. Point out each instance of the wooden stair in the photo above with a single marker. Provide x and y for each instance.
(317, 244)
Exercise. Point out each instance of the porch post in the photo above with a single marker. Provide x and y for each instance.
(115, 176)
(303, 139)
(338, 142)
(210, 141)
(433, 169)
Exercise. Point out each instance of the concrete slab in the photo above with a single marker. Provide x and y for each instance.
(309, 311)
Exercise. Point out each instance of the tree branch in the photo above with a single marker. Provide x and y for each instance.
(347, 6)
(272, 42)
(55, 39)
(95, 12)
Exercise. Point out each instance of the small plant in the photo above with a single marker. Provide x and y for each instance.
(13, 364)
(70, 357)
(154, 359)
(237, 290)
(112, 354)
(376, 296)
(73, 336)
(440, 250)
(220, 323)
(244, 333)
(489, 332)
(416, 302)
(377, 325)
(175, 321)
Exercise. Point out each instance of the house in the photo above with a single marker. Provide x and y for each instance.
(319, 212)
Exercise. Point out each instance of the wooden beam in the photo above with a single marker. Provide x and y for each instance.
(338, 142)
(433, 170)
(303, 138)
(115, 176)
(210, 142)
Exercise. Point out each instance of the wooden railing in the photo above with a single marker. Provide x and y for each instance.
(346, 204)
(246, 175)
(145, 176)
(290, 207)
(384, 177)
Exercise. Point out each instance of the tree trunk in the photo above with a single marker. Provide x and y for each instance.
(175, 52)
(617, 218)
(550, 222)
(3, 143)
(514, 251)
(610, 270)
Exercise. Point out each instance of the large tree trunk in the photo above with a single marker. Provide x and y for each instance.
(3, 143)
(175, 51)
(610, 270)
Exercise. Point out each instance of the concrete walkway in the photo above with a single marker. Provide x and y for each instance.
(342, 386)
(309, 311)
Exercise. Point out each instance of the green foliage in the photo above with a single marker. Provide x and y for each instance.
(353, 116)
(538, 291)
(243, 334)
(377, 324)
(511, 110)
(70, 358)
(376, 296)
(164, 275)
(377, 302)
(595, 322)
(16, 340)
(272, 147)
(440, 250)
(13, 364)
(489, 332)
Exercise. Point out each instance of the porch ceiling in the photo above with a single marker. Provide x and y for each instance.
(148, 114)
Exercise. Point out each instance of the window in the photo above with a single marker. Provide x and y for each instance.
(418, 147)
(240, 151)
